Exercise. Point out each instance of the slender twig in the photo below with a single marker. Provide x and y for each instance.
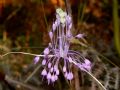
(30, 76)
(25, 54)
(67, 5)
(44, 13)
(117, 79)
(81, 9)
(12, 14)
(107, 76)
(92, 77)
(77, 82)
(99, 54)
(96, 80)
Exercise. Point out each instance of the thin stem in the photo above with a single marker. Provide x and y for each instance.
(101, 55)
(44, 13)
(117, 79)
(30, 76)
(25, 54)
(81, 9)
(92, 77)
(95, 79)
(108, 60)
(66, 5)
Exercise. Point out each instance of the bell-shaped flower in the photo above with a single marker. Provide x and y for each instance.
(44, 72)
(51, 35)
(44, 62)
(46, 51)
(36, 59)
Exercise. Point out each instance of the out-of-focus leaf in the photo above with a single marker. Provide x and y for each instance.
(116, 26)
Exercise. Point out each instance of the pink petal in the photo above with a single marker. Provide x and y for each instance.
(51, 35)
(44, 72)
(49, 75)
(43, 62)
(70, 59)
(36, 59)
(64, 69)
(79, 35)
(46, 51)
(87, 62)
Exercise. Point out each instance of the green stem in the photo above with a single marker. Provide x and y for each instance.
(116, 26)
(81, 10)
(44, 13)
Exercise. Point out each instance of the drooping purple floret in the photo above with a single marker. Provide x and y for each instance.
(36, 59)
(79, 36)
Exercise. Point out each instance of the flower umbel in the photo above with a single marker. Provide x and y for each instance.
(60, 36)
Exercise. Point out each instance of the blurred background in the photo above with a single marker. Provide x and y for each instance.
(24, 26)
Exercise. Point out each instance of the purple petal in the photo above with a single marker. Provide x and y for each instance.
(69, 34)
(49, 75)
(87, 67)
(70, 76)
(56, 77)
(79, 36)
(87, 62)
(70, 26)
(53, 78)
(64, 68)
(36, 59)
(81, 66)
(55, 67)
(44, 72)
(51, 70)
(46, 51)
(50, 45)
(49, 65)
(57, 72)
(43, 62)
(66, 74)
(70, 59)
(51, 35)
(57, 21)
(54, 26)
(68, 19)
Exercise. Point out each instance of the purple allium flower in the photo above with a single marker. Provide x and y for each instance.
(59, 47)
